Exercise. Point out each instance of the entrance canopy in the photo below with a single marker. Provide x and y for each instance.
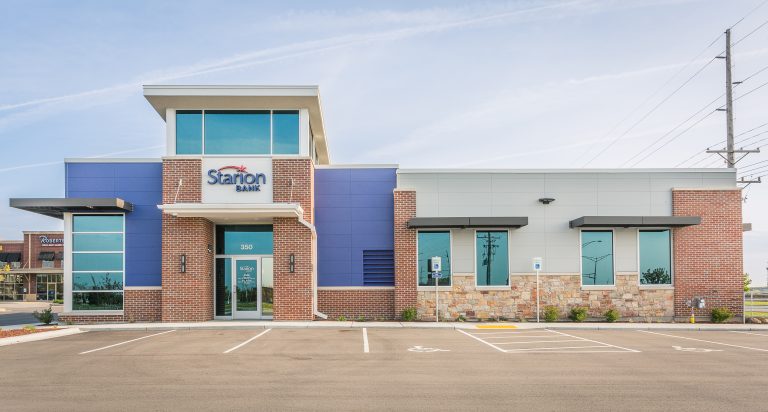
(467, 222)
(56, 207)
(233, 213)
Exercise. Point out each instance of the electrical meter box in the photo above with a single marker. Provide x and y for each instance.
(435, 264)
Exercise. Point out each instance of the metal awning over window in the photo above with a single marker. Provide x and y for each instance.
(466, 222)
(635, 221)
(9, 257)
(46, 256)
(56, 207)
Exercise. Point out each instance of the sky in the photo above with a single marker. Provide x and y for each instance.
(496, 84)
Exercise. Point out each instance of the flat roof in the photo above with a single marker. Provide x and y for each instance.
(568, 171)
(467, 222)
(56, 207)
(196, 97)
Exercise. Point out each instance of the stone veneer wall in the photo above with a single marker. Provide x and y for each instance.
(562, 290)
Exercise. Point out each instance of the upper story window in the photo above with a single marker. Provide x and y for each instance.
(237, 132)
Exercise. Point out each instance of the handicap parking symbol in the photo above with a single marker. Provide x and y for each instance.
(423, 349)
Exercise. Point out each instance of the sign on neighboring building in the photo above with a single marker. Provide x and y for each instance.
(237, 180)
(50, 241)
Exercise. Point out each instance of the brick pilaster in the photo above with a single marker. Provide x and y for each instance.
(405, 251)
(708, 257)
(293, 182)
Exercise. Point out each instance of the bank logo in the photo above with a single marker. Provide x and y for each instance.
(240, 179)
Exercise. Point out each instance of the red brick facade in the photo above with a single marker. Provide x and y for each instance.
(370, 304)
(293, 182)
(188, 296)
(143, 305)
(708, 257)
(405, 251)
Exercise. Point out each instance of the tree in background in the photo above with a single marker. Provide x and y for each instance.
(747, 282)
(658, 276)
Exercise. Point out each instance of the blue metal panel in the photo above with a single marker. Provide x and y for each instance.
(142, 185)
(354, 211)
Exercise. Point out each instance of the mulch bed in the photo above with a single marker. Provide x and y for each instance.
(20, 332)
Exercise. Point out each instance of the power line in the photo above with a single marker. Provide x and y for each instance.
(673, 138)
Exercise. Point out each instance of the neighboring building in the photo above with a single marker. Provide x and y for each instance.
(245, 217)
(31, 269)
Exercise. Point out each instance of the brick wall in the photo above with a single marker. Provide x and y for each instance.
(186, 297)
(405, 251)
(90, 319)
(143, 305)
(30, 259)
(708, 257)
(293, 182)
(190, 171)
(371, 304)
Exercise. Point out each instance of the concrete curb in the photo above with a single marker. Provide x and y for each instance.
(224, 325)
(32, 337)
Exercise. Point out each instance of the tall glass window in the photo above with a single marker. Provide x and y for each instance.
(237, 132)
(189, 132)
(434, 244)
(655, 257)
(596, 257)
(97, 262)
(492, 258)
(285, 134)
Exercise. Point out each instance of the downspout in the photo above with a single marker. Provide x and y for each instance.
(314, 267)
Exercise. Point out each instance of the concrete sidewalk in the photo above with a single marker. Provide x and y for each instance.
(418, 325)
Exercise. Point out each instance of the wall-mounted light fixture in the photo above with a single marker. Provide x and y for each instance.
(547, 200)
(183, 262)
(291, 263)
(210, 248)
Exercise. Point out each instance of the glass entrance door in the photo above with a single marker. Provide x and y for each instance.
(247, 293)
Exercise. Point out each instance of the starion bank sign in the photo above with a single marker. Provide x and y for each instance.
(237, 180)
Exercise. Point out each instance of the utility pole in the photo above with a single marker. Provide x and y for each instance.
(730, 150)
(729, 99)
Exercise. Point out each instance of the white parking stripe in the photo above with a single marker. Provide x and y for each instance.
(590, 340)
(476, 338)
(128, 341)
(365, 340)
(749, 333)
(517, 337)
(246, 342)
(555, 348)
(537, 341)
(705, 341)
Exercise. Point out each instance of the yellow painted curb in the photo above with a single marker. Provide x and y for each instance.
(496, 327)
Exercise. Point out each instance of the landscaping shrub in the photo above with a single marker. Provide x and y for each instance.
(578, 314)
(611, 315)
(342, 318)
(720, 315)
(408, 314)
(551, 313)
(46, 316)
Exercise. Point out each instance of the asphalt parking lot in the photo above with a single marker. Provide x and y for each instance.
(389, 369)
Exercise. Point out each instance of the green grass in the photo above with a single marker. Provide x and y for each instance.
(756, 303)
(757, 314)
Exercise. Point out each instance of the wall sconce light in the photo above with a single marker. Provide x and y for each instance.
(210, 248)
(546, 200)
(291, 263)
(183, 262)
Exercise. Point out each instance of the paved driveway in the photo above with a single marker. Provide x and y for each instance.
(389, 369)
(20, 313)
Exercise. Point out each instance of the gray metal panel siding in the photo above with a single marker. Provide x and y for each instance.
(577, 194)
